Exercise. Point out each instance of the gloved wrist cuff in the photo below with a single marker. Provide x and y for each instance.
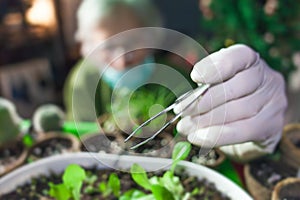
(251, 150)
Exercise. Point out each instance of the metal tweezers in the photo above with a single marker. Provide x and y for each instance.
(197, 92)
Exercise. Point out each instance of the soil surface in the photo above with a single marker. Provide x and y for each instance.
(160, 146)
(294, 137)
(49, 147)
(297, 143)
(290, 192)
(101, 143)
(269, 173)
(38, 187)
(10, 154)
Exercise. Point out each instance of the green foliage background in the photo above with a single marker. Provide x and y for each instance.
(271, 27)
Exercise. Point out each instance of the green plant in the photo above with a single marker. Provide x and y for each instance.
(27, 140)
(111, 187)
(168, 186)
(72, 182)
(157, 187)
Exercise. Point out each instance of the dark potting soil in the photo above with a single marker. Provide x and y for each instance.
(293, 136)
(160, 146)
(269, 173)
(11, 153)
(49, 147)
(297, 143)
(290, 192)
(38, 187)
(101, 143)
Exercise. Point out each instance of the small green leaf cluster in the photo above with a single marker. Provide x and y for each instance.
(72, 182)
(166, 187)
(73, 179)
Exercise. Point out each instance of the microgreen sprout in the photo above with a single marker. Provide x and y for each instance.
(111, 187)
(72, 182)
(168, 186)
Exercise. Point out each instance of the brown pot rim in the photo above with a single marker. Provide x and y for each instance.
(281, 184)
(40, 136)
(255, 188)
(290, 153)
(20, 160)
(285, 142)
(220, 160)
(51, 135)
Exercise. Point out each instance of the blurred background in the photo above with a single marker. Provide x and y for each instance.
(38, 49)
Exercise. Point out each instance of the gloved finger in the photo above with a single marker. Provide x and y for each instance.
(251, 129)
(186, 125)
(235, 110)
(243, 84)
(257, 103)
(224, 64)
(232, 111)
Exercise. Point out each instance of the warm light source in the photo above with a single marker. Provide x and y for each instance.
(42, 13)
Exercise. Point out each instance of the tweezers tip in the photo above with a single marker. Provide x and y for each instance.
(136, 146)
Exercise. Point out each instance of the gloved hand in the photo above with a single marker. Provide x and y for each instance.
(245, 103)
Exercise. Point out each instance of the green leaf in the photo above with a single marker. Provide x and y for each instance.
(73, 178)
(90, 179)
(114, 184)
(59, 192)
(89, 189)
(134, 194)
(161, 193)
(172, 183)
(103, 187)
(139, 175)
(73, 174)
(180, 152)
(28, 140)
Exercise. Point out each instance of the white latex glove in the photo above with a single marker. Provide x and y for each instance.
(246, 103)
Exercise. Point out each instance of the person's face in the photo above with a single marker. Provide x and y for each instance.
(113, 53)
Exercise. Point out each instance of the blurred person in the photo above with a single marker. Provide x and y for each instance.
(99, 21)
